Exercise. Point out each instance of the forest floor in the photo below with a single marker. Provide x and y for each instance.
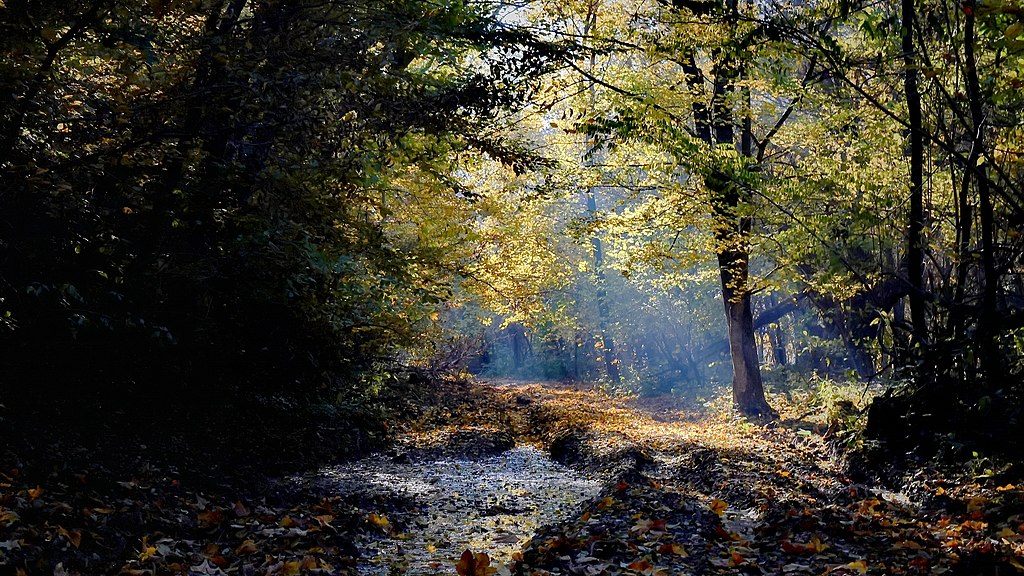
(666, 487)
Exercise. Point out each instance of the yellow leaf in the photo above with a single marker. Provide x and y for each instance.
(718, 506)
(291, 568)
(148, 553)
(858, 565)
(247, 547)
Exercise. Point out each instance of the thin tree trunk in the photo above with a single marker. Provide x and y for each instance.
(915, 232)
(989, 329)
(611, 363)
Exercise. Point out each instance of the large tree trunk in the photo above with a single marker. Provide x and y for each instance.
(715, 125)
(732, 231)
(747, 388)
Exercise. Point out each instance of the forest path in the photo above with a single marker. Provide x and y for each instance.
(694, 489)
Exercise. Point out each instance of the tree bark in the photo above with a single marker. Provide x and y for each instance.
(988, 328)
(715, 125)
(915, 229)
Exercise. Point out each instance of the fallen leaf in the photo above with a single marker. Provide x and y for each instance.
(241, 510)
(379, 521)
(673, 548)
(211, 517)
(642, 566)
(147, 553)
(73, 536)
(474, 564)
(813, 547)
(718, 506)
(858, 565)
(246, 547)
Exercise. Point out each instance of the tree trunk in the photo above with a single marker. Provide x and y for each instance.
(988, 328)
(715, 126)
(611, 363)
(915, 231)
(732, 232)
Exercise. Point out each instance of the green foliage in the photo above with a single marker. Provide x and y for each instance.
(219, 194)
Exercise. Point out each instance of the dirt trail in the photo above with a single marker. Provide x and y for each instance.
(696, 490)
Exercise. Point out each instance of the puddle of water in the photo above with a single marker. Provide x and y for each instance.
(490, 505)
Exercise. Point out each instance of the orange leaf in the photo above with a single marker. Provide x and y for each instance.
(211, 517)
(814, 546)
(473, 564)
(868, 506)
(36, 492)
(73, 536)
(380, 521)
(718, 506)
(641, 566)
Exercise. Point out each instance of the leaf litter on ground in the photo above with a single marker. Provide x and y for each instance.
(687, 489)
